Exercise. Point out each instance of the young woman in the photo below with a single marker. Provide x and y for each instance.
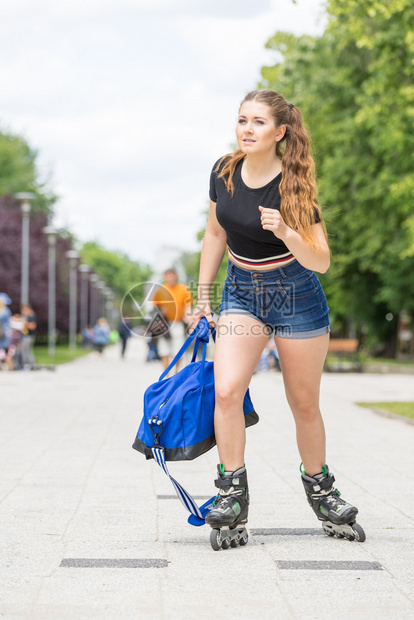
(263, 205)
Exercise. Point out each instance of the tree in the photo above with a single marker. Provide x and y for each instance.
(10, 265)
(116, 269)
(19, 172)
(354, 86)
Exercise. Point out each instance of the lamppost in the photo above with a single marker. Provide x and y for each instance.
(73, 256)
(109, 296)
(25, 198)
(51, 239)
(93, 279)
(84, 271)
(101, 304)
(114, 313)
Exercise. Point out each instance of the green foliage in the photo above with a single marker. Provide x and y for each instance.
(354, 87)
(116, 269)
(19, 173)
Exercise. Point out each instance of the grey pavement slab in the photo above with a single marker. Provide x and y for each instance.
(90, 529)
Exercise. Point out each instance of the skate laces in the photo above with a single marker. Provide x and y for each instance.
(329, 494)
(224, 496)
(334, 498)
(231, 491)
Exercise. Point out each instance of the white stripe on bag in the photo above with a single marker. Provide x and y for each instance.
(186, 499)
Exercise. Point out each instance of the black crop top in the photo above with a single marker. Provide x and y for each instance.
(239, 215)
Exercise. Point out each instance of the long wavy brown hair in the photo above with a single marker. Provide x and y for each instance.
(297, 188)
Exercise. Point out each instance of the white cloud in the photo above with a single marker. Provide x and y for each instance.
(131, 102)
(159, 8)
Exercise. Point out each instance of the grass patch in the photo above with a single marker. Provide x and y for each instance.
(63, 354)
(405, 409)
(383, 360)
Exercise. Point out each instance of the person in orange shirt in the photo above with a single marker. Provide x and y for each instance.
(174, 300)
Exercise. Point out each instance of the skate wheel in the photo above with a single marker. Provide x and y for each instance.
(359, 532)
(215, 540)
(244, 539)
(328, 530)
(234, 543)
(338, 535)
(225, 544)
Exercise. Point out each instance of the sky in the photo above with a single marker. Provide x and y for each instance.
(130, 103)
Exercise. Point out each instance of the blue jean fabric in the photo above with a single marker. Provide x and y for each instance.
(288, 300)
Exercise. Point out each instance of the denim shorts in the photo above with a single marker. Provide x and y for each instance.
(288, 300)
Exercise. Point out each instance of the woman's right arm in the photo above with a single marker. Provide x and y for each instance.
(212, 252)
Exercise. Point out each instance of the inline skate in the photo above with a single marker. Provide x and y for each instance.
(337, 516)
(228, 516)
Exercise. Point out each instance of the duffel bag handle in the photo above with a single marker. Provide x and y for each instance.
(201, 332)
(204, 338)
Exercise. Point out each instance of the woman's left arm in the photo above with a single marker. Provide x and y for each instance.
(310, 259)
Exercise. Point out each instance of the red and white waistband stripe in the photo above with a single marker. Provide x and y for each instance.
(283, 259)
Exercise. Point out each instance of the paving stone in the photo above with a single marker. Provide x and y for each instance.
(90, 529)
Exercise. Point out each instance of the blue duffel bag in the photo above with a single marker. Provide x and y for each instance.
(178, 420)
(179, 411)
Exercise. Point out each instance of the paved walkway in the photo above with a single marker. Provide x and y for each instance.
(72, 490)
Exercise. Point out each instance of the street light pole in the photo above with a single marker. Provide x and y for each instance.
(73, 256)
(105, 293)
(101, 304)
(93, 279)
(25, 198)
(110, 306)
(84, 271)
(51, 239)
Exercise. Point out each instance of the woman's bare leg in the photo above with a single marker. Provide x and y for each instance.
(240, 342)
(302, 363)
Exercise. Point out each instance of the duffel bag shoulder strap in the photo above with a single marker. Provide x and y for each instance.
(198, 513)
